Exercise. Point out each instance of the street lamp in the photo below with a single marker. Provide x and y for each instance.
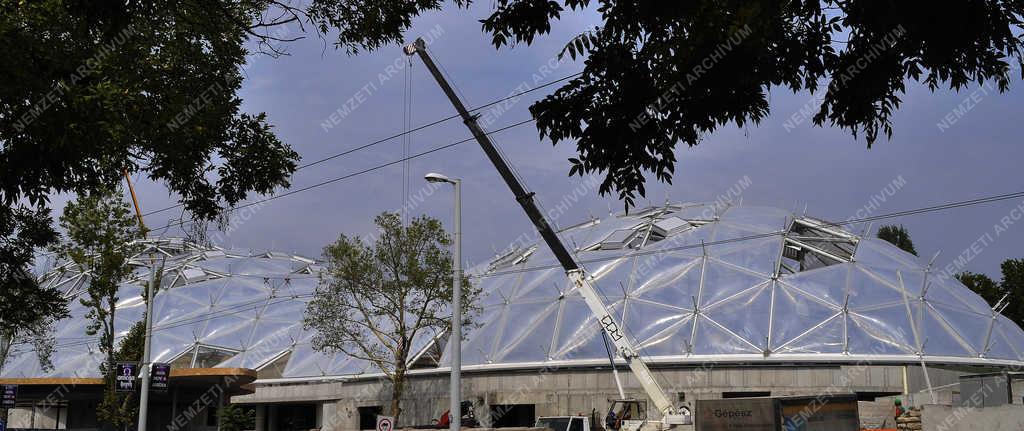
(454, 412)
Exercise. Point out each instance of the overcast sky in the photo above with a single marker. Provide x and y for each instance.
(788, 165)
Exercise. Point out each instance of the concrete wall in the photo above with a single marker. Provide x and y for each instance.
(570, 391)
(946, 418)
(940, 376)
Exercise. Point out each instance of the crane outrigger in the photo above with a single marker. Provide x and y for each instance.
(670, 414)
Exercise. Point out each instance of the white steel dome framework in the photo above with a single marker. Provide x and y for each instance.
(692, 283)
(697, 283)
(215, 308)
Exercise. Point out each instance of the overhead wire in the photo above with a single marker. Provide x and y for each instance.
(405, 132)
(451, 80)
(354, 174)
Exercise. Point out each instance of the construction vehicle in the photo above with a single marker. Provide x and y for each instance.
(671, 415)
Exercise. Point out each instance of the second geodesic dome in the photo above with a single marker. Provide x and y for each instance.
(700, 282)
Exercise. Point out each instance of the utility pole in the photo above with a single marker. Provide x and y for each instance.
(456, 383)
(145, 368)
(455, 410)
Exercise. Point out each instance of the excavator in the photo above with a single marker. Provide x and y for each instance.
(626, 414)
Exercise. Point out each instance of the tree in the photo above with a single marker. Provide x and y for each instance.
(121, 409)
(898, 236)
(1011, 286)
(981, 284)
(94, 90)
(376, 299)
(26, 308)
(117, 408)
(233, 417)
(100, 239)
(660, 74)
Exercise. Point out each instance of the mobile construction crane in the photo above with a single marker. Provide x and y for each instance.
(671, 416)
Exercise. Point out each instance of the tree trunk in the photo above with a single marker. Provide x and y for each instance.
(109, 341)
(398, 378)
(397, 389)
(6, 339)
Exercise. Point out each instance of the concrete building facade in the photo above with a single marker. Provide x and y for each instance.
(516, 398)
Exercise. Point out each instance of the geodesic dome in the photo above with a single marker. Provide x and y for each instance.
(691, 283)
(215, 308)
(700, 282)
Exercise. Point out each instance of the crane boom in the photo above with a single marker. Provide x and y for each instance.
(577, 276)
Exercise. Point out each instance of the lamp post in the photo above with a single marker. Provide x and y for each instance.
(455, 414)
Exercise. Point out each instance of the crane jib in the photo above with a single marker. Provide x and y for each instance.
(611, 327)
(576, 274)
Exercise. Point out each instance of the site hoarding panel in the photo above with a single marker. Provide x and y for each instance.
(737, 414)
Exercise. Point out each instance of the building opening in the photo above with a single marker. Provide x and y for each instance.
(513, 415)
(368, 417)
(751, 394)
(296, 417)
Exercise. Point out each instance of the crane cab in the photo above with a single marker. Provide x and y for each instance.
(626, 415)
(631, 415)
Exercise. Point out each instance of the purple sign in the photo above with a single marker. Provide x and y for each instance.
(160, 377)
(125, 376)
(8, 396)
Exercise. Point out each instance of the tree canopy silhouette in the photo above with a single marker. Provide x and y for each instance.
(898, 236)
(660, 74)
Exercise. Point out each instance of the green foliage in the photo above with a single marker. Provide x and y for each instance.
(376, 298)
(132, 346)
(1011, 286)
(236, 418)
(658, 74)
(898, 236)
(93, 89)
(100, 230)
(119, 410)
(97, 88)
(981, 284)
(122, 409)
(26, 308)
(369, 24)
(100, 233)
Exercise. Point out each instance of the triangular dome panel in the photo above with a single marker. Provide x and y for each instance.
(711, 339)
(722, 281)
(880, 331)
(747, 314)
(795, 313)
